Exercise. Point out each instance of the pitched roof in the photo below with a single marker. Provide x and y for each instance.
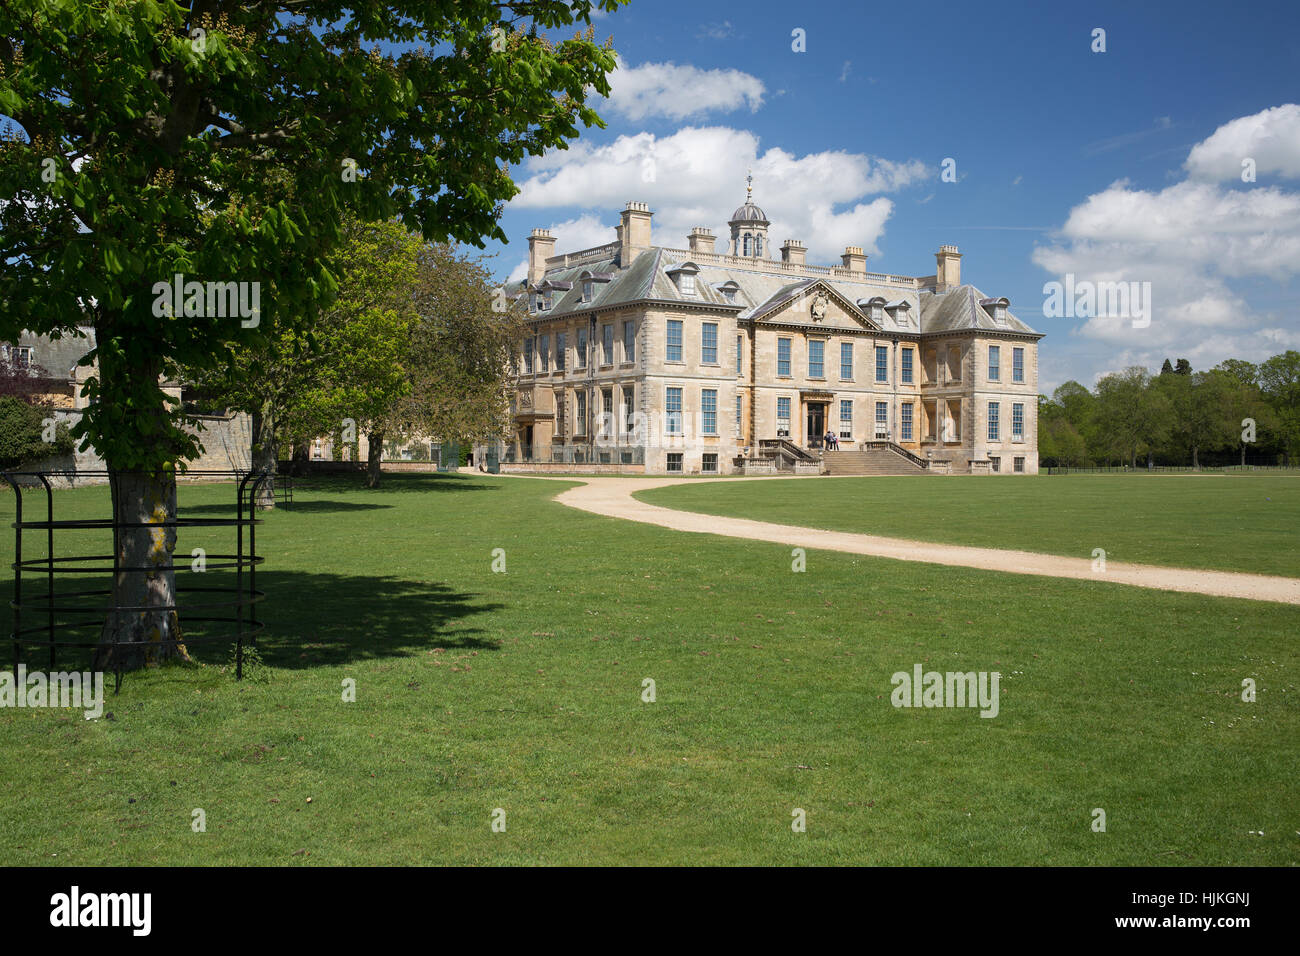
(960, 309)
(760, 293)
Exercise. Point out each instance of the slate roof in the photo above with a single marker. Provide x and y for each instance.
(748, 213)
(961, 309)
(59, 356)
(761, 293)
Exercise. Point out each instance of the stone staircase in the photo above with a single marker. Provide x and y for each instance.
(875, 458)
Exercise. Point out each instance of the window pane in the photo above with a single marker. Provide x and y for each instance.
(994, 359)
(882, 363)
(709, 411)
(907, 366)
(709, 343)
(846, 361)
(993, 421)
(816, 358)
(673, 409)
(674, 353)
(782, 356)
(629, 342)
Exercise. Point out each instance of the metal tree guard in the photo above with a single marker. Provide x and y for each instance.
(57, 613)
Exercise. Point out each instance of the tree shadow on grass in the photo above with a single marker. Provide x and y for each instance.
(391, 483)
(329, 619)
(311, 620)
(302, 506)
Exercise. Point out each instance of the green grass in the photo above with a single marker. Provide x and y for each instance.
(1229, 523)
(523, 691)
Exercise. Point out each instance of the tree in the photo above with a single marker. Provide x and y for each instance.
(24, 428)
(1202, 414)
(1132, 416)
(1246, 373)
(1079, 407)
(298, 384)
(459, 355)
(1167, 368)
(1279, 380)
(215, 147)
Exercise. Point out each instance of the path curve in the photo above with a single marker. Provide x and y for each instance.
(612, 497)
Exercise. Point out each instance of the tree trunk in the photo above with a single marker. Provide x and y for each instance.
(1196, 459)
(301, 458)
(265, 448)
(145, 586)
(374, 458)
(1243, 455)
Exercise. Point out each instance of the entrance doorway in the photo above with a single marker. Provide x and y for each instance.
(816, 424)
(527, 449)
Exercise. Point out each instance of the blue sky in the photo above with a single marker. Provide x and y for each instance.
(1067, 160)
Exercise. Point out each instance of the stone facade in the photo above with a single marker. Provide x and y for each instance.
(60, 383)
(688, 360)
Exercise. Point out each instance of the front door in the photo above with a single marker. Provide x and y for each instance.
(526, 451)
(816, 423)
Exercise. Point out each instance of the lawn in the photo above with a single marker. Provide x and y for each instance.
(1221, 522)
(523, 691)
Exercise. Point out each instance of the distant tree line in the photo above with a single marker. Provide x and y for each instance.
(1234, 411)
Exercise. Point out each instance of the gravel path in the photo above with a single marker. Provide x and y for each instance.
(612, 497)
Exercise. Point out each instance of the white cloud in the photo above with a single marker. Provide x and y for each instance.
(1271, 138)
(677, 92)
(1191, 241)
(571, 235)
(696, 177)
(715, 31)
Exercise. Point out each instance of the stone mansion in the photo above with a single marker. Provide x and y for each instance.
(697, 361)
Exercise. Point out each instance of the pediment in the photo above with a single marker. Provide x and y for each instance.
(815, 305)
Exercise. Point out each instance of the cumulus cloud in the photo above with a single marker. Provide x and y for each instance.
(696, 177)
(674, 92)
(584, 232)
(1271, 138)
(1192, 241)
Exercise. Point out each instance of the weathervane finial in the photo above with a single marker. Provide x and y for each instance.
(749, 185)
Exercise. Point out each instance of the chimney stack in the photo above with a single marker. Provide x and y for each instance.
(541, 245)
(947, 271)
(700, 240)
(854, 259)
(793, 252)
(634, 231)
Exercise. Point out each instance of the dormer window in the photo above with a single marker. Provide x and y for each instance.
(873, 307)
(728, 291)
(683, 277)
(996, 309)
(587, 287)
(900, 311)
(547, 301)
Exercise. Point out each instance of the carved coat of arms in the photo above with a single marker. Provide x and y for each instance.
(819, 304)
